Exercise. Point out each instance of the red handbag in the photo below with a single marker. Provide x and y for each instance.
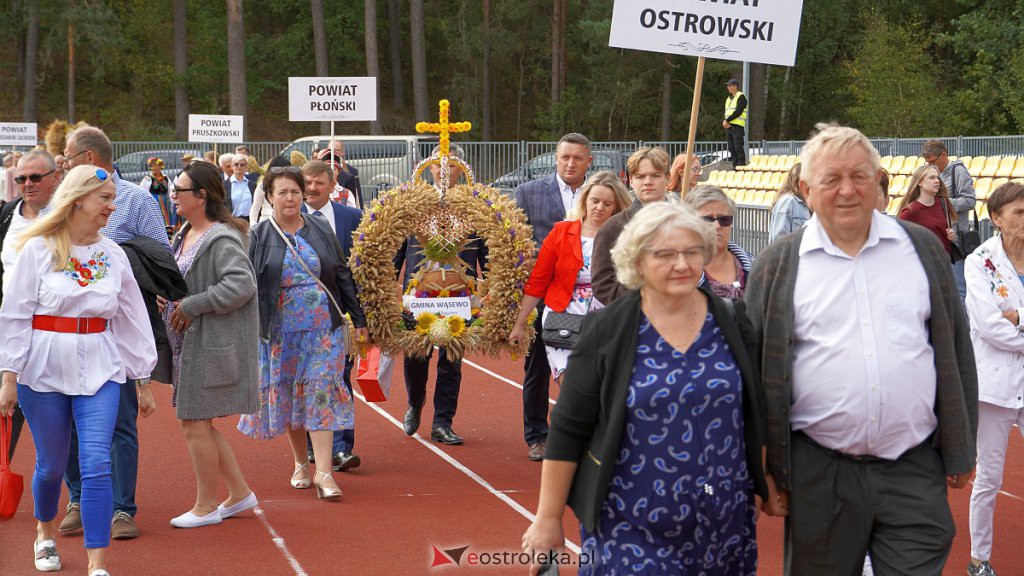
(11, 484)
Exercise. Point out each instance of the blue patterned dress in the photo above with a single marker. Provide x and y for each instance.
(301, 367)
(681, 500)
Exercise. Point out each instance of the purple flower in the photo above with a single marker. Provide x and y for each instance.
(362, 237)
(498, 215)
(489, 203)
(359, 261)
(512, 233)
(373, 217)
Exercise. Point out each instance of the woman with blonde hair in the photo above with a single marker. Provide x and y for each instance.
(656, 442)
(561, 276)
(75, 329)
(927, 203)
(789, 211)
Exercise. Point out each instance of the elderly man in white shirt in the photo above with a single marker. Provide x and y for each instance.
(868, 375)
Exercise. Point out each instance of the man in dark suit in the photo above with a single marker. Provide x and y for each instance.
(343, 220)
(449, 372)
(545, 201)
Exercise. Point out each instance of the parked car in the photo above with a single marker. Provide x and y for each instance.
(133, 166)
(540, 166)
(382, 161)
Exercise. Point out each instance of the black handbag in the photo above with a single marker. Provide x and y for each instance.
(957, 249)
(561, 329)
(971, 239)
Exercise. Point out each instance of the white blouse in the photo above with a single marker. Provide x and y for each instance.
(97, 282)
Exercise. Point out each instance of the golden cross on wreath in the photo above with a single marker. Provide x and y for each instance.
(444, 128)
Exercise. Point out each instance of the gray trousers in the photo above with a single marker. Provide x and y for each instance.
(840, 508)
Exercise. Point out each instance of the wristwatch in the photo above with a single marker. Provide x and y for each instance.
(141, 382)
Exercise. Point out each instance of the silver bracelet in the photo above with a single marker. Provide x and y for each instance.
(141, 383)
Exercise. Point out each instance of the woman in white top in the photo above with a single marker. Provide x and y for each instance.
(995, 305)
(75, 328)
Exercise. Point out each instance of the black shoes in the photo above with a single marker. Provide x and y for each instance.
(445, 435)
(412, 420)
(343, 461)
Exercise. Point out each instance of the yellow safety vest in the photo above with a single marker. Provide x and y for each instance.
(730, 109)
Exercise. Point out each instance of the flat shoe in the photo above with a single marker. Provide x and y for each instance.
(244, 504)
(46, 556)
(99, 572)
(190, 520)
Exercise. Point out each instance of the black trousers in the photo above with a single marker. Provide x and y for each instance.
(446, 389)
(840, 508)
(536, 386)
(737, 150)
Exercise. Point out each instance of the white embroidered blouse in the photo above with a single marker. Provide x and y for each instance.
(96, 282)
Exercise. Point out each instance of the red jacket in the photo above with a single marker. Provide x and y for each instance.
(558, 264)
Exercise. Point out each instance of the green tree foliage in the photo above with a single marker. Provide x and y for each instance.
(894, 68)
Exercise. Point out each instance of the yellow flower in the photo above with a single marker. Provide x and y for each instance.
(457, 326)
(443, 294)
(414, 283)
(532, 317)
(424, 321)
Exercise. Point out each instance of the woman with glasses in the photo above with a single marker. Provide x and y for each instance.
(561, 276)
(656, 440)
(214, 349)
(305, 287)
(75, 328)
(676, 176)
(726, 273)
(160, 187)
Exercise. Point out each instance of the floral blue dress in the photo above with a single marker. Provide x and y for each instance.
(681, 500)
(301, 367)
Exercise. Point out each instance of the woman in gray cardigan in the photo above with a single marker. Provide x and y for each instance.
(213, 334)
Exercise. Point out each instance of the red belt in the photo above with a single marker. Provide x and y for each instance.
(69, 325)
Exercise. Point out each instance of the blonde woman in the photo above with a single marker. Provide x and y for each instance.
(789, 211)
(561, 276)
(73, 308)
(927, 203)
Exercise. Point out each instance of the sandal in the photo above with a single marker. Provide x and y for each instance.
(300, 478)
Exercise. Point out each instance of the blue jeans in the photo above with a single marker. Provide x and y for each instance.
(124, 454)
(961, 282)
(49, 416)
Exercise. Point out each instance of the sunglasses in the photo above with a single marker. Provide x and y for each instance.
(241, 164)
(282, 169)
(35, 178)
(723, 221)
(102, 175)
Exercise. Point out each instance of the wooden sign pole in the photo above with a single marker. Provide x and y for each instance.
(694, 113)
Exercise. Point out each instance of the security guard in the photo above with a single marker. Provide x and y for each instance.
(735, 123)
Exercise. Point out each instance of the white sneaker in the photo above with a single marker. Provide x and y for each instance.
(99, 572)
(46, 556)
(242, 505)
(190, 520)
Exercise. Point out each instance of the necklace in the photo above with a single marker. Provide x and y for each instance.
(689, 329)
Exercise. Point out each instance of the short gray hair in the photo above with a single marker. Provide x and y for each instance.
(453, 150)
(228, 156)
(42, 154)
(652, 222)
(94, 140)
(833, 139)
(706, 194)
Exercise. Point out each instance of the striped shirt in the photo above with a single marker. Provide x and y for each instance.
(137, 214)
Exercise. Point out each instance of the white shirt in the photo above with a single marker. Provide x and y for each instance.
(864, 376)
(8, 254)
(328, 213)
(75, 364)
(568, 194)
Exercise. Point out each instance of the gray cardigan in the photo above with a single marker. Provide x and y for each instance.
(769, 299)
(219, 364)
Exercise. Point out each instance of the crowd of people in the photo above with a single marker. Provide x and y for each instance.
(843, 379)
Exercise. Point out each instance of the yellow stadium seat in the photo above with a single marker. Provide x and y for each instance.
(894, 203)
(791, 161)
(898, 185)
(777, 179)
(713, 177)
(745, 180)
(772, 163)
(1018, 168)
(766, 180)
(886, 163)
(977, 165)
(997, 182)
(991, 167)
(953, 158)
(1006, 165)
(982, 188)
(760, 161)
(730, 178)
(896, 165)
(911, 163)
(983, 211)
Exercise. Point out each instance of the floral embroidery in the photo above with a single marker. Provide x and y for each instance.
(89, 272)
(996, 280)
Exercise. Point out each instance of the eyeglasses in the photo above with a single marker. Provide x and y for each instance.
(666, 255)
(180, 190)
(68, 157)
(35, 178)
(241, 163)
(723, 221)
(697, 169)
(102, 175)
(282, 169)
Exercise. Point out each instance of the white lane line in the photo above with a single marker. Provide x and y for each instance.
(280, 543)
(498, 376)
(499, 494)
(1005, 493)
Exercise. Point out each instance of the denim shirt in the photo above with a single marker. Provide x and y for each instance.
(788, 215)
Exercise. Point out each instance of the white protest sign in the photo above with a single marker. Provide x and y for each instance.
(19, 134)
(764, 31)
(321, 99)
(439, 306)
(215, 128)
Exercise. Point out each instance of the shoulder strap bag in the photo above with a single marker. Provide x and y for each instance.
(956, 252)
(295, 253)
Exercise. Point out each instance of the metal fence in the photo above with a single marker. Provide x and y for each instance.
(957, 145)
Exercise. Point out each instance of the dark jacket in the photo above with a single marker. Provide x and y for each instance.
(157, 273)
(587, 422)
(350, 180)
(769, 299)
(346, 220)
(602, 273)
(411, 254)
(6, 215)
(267, 249)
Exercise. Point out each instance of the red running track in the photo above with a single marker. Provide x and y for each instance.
(404, 500)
